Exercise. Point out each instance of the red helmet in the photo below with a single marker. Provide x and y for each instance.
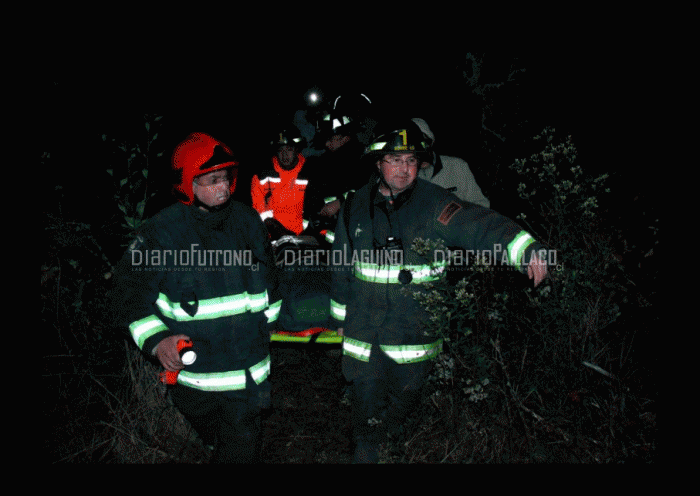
(197, 155)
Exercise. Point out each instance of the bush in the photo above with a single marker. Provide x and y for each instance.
(540, 374)
(88, 372)
(130, 170)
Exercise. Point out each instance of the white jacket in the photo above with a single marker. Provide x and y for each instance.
(454, 175)
(451, 173)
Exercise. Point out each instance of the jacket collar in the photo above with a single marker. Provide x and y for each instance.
(400, 199)
(211, 220)
(292, 172)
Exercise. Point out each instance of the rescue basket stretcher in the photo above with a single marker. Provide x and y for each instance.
(304, 288)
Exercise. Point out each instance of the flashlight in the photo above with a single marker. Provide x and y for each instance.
(188, 357)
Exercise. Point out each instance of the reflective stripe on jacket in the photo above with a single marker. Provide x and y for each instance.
(225, 381)
(281, 194)
(208, 276)
(369, 298)
(400, 354)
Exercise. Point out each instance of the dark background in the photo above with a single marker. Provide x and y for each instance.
(593, 95)
(589, 94)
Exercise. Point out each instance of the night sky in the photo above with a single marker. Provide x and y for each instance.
(585, 94)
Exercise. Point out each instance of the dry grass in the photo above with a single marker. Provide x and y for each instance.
(127, 419)
(123, 419)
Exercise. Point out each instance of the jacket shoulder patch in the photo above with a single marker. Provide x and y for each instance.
(448, 212)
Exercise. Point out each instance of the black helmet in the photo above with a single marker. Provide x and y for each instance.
(333, 123)
(401, 137)
(291, 136)
(352, 103)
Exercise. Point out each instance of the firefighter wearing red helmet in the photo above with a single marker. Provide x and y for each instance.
(202, 270)
(193, 162)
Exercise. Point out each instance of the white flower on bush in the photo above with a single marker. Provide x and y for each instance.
(476, 392)
(444, 366)
(495, 315)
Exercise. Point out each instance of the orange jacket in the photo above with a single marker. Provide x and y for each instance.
(280, 194)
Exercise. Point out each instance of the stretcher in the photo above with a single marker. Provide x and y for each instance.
(313, 335)
(304, 288)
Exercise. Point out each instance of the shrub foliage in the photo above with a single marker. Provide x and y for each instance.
(542, 374)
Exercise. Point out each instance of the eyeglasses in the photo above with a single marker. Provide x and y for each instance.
(214, 179)
(395, 160)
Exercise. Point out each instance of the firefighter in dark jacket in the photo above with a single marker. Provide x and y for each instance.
(202, 270)
(386, 353)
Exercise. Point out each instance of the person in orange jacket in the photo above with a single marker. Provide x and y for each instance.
(281, 193)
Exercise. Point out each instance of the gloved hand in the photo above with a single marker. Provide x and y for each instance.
(276, 229)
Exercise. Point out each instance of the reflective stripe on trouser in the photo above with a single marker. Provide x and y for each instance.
(408, 353)
(227, 421)
(387, 392)
(224, 381)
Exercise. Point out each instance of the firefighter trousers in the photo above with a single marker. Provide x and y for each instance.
(229, 421)
(383, 394)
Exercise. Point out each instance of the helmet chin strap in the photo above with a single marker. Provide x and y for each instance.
(383, 182)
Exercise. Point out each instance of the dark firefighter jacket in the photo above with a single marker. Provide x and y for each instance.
(366, 296)
(208, 275)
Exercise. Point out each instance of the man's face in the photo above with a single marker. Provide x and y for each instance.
(213, 188)
(399, 170)
(287, 157)
(336, 142)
